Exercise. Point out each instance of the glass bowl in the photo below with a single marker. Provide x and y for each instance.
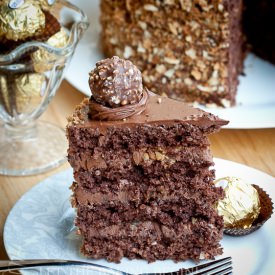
(30, 75)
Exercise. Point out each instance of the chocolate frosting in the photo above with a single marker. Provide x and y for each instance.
(87, 198)
(118, 98)
(158, 111)
(100, 112)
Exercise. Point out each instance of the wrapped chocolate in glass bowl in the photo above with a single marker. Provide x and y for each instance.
(245, 207)
(37, 42)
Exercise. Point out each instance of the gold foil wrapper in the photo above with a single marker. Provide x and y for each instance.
(43, 60)
(29, 91)
(4, 94)
(21, 21)
(241, 205)
(265, 214)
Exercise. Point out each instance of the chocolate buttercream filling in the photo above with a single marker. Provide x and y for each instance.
(101, 112)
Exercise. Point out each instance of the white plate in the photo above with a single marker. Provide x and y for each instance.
(40, 225)
(256, 92)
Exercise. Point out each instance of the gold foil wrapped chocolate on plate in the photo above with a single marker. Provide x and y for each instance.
(241, 205)
(20, 19)
(29, 91)
(43, 60)
(245, 207)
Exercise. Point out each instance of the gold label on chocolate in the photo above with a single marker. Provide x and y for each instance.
(241, 205)
(14, 4)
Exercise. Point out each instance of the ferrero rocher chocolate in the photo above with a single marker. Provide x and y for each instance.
(29, 91)
(241, 205)
(116, 82)
(20, 19)
(43, 60)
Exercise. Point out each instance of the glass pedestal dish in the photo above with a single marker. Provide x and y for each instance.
(30, 75)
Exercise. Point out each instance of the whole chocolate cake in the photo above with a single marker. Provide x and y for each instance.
(187, 49)
(142, 168)
(191, 50)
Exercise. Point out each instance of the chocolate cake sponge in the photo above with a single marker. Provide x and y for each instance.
(144, 184)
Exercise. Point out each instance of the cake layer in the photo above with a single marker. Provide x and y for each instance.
(139, 172)
(139, 136)
(169, 123)
(147, 158)
(143, 190)
(152, 241)
(114, 181)
(164, 212)
(180, 176)
(143, 194)
(144, 230)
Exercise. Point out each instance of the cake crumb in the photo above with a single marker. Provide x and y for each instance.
(159, 100)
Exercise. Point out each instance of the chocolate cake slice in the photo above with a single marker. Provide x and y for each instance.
(143, 171)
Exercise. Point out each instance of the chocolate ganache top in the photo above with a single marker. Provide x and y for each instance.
(158, 111)
(119, 99)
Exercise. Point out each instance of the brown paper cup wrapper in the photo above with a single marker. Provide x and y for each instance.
(265, 213)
